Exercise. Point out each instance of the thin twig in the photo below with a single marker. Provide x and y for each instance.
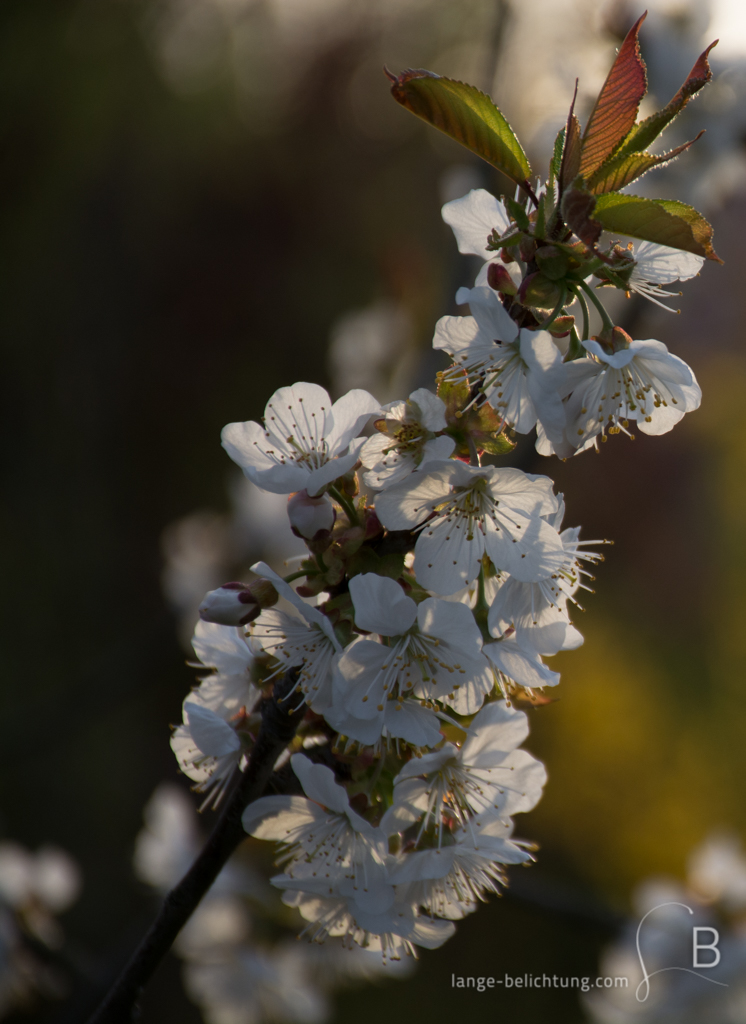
(279, 723)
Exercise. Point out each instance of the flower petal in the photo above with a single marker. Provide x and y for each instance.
(381, 606)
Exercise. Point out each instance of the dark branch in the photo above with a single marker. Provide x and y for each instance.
(280, 719)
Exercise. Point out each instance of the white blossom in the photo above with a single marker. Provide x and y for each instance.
(487, 774)
(306, 442)
(208, 749)
(406, 440)
(449, 880)
(472, 219)
(464, 512)
(308, 642)
(394, 932)
(405, 718)
(644, 382)
(225, 650)
(538, 612)
(168, 843)
(515, 664)
(717, 871)
(325, 845)
(660, 264)
(519, 371)
(251, 986)
(49, 879)
(433, 653)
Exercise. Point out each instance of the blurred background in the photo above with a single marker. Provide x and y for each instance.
(204, 200)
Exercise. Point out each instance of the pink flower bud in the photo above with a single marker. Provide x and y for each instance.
(237, 604)
(308, 516)
(499, 279)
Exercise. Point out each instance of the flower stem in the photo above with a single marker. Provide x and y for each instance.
(586, 315)
(473, 453)
(481, 608)
(279, 723)
(297, 575)
(546, 324)
(347, 505)
(607, 321)
(576, 350)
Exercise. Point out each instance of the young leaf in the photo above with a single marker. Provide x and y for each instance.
(623, 170)
(616, 107)
(556, 162)
(578, 205)
(518, 213)
(571, 152)
(481, 422)
(656, 220)
(466, 115)
(648, 130)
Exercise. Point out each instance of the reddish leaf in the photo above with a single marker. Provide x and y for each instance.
(648, 130)
(571, 152)
(616, 108)
(623, 170)
(577, 209)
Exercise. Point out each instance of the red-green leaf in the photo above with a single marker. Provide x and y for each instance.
(616, 107)
(623, 170)
(648, 130)
(571, 151)
(656, 220)
(578, 205)
(466, 115)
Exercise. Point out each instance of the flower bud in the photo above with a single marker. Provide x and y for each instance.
(613, 339)
(562, 326)
(538, 291)
(309, 516)
(499, 279)
(526, 249)
(236, 604)
(349, 541)
(372, 523)
(348, 484)
(554, 263)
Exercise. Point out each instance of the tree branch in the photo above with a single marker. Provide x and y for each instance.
(279, 723)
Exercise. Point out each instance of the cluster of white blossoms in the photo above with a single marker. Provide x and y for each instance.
(433, 590)
(572, 402)
(241, 962)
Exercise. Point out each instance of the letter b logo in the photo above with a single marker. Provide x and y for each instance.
(698, 946)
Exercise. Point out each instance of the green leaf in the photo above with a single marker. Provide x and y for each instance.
(518, 213)
(664, 221)
(465, 114)
(556, 162)
(541, 218)
(498, 444)
(616, 107)
(620, 171)
(648, 130)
